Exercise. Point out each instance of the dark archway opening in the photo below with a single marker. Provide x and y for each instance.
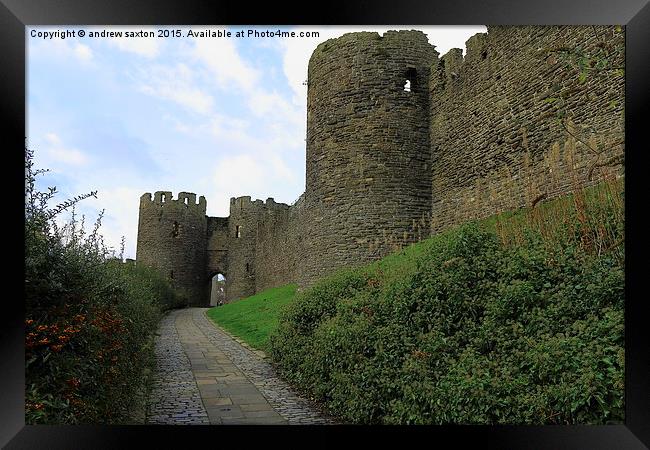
(217, 289)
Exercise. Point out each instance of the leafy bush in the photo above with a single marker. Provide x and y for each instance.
(465, 329)
(89, 318)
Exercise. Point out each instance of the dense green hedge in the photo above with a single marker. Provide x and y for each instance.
(89, 319)
(463, 329)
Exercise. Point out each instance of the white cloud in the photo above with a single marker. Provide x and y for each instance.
(176, 83)
(284, 123)
(241, 173)
(52, 139)
(62, 50)
(273, 106)
(83, 52)
(230, 128)
(229, 69)
(280, 121)
(143, 46)
(121, 205)
(179, 126)
(58, 153)
(69, 156)
(266, 137)
(235, 176)
(260, 176)
(280, 169)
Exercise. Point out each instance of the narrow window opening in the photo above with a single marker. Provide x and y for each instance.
(186, 201)
(171, 274)
(248, 268)
(238, 231)
(175, 230)
(410, 77)
(484, 55)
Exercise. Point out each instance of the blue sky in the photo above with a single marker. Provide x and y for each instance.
(220, 117)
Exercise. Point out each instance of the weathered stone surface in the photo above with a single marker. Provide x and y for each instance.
(368, 158)
(496, 140)
(238, 387)
(385, 167)
(175, 397)
(172, 238)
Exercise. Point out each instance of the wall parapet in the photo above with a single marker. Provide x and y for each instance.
(163, 198)
(247, 202)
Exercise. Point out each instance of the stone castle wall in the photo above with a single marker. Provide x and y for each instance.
(172, 237)
(508, 124)
(262, 251)
(277, 246)
(512, 122)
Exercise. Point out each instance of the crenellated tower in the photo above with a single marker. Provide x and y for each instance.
(172, 239)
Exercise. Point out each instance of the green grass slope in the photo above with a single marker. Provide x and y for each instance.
(515, 319)
(253, 318)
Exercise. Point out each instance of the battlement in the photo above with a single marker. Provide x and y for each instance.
(162, 198)
(246, 202)
(390, 36)
(452, 65)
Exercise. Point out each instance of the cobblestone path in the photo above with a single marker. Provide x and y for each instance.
(204, 376)
(174, 397)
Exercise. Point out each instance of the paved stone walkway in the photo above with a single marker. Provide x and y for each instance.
(174, 397)
(204, 376)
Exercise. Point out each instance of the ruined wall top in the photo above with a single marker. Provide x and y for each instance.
(392, 37)
(166, 198)
(246, 202)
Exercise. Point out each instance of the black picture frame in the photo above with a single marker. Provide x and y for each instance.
(15, 15)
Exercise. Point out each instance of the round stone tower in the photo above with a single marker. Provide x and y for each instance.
(172, 239)
(368, 187)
